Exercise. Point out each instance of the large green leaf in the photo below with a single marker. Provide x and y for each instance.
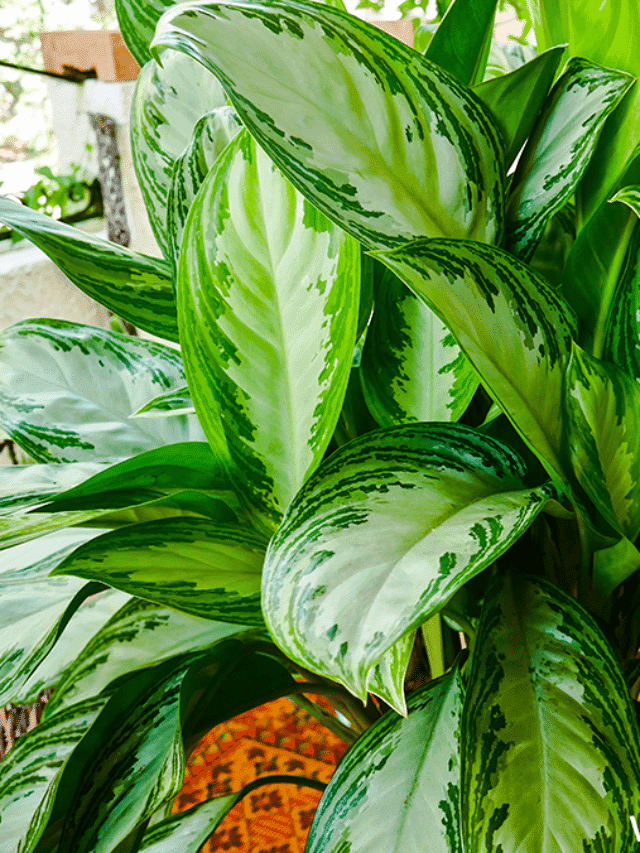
(134, 286)
(619, 338)
(211, 135)
(412, 369)
(187, 831)
(187, 465)
(23, 486)
(459, 45)
(34, 606)
(138, 636)
(603, 408)
(515, 99)
(30, 774)
(397, 787)
(423, 158)
(550, 752)
(167, 104)
(129, 763)
(88, 619)
(560, 148)
(268, 304)
(67, 391)
(193, 564)
(396, 521)
(24, 526)
(604, 33)
(514, 329)
(137, 20)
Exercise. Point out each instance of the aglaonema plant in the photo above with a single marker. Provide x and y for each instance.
(394, 461)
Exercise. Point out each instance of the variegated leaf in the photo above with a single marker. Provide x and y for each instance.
(397, 787)
(514, 329)
(137, 20)
(34, 607)
(386, 678)
(423, 158)
(560, 148)
(630, 196)
(30, 774)
(172, 403)
(67, 391)
(603, 421)
(198, 566)
(619, 327)
(168, 102)
(87, 621)
(612, 566)
(131, 762)
(23, 526)
(136, 287)
(396, 521)
(186, 465)
(412, 369)
(25, 486)
(188, 831)
(140, 635)
(268, 304)
(211, 136)
(550, 751)
(515, 99)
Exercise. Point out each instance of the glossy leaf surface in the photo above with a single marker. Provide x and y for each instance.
(459, 43)
(398, 785)
(423, 158)
(136, 287)
(603, 406)
(515, 99)
(559, 149)
(167, 104)
(550, 754)
(412, 368)
(268, 304)
(138, 636)
(34, 606)
(510, 324)
(187, 831)
(30, 774)
(137, 21)
(173, 403)
(67, 391)
(397, 521)
(211, 135)
(24, 486)
(195, 565)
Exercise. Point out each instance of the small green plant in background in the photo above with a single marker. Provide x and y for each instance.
(398, 445)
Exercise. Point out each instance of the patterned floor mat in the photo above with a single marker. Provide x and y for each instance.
(276, 738)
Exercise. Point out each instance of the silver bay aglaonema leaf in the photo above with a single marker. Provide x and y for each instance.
(382, 535)
(168, 102)
(201, 567)
(268, 302)
(24, 486)
(511, 325)
(136, 287)
(139, 635)
(397, 787)
(211, 135)
(422, 159)
(167, 405)
(67, 392)
(550, 749)
(603, 421)
(560, 148)
(137, 21)
(412, 368)
(34, 606)
(30, 773)
(188, 831)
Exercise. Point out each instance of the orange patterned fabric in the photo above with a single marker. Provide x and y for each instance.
(278, 737)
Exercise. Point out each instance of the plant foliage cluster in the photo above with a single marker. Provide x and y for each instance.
(398, 444)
